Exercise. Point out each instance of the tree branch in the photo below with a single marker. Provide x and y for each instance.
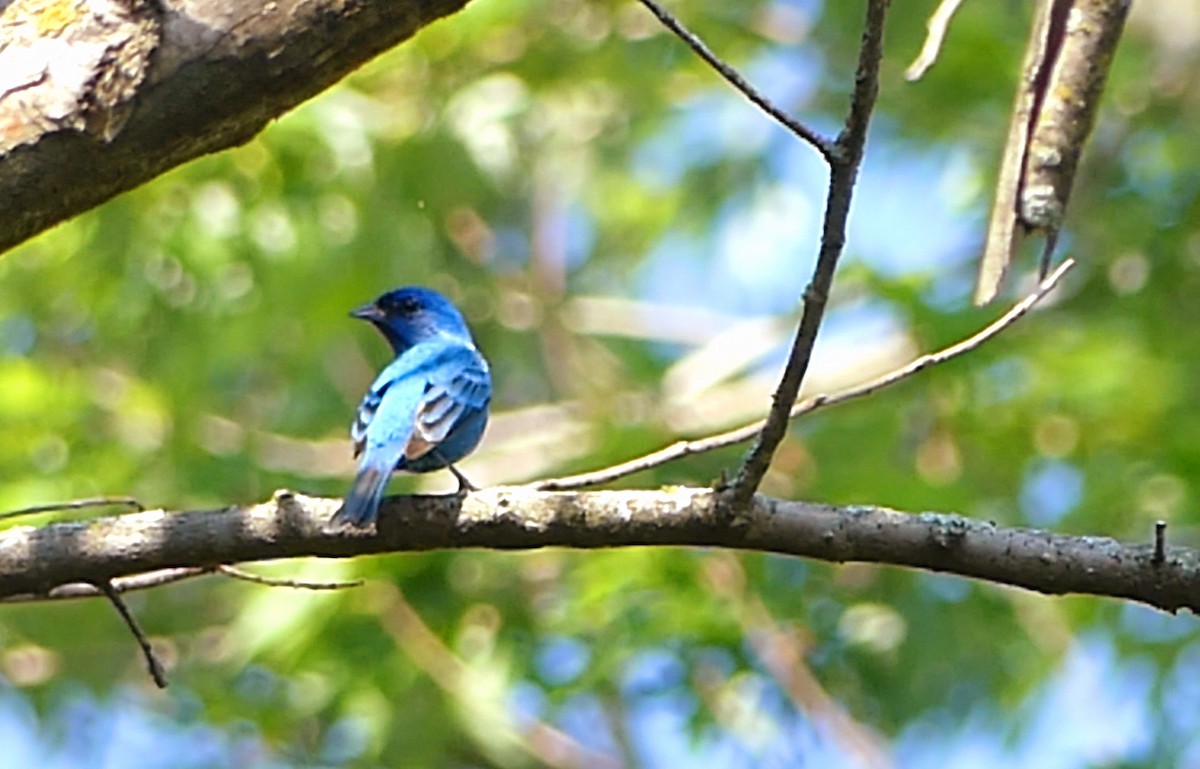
(160, 577)
(144, 581)
(151, 85)
(74, 504)
(843, 172)
(937, 26)
(296, 584)
(681, 449)
(36, 560)
(153, 665)
(822, 145)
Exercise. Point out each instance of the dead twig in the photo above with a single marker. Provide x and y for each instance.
(155, 578)
(75, 504)
(746, 432)
(843, 173)
(259, 579)
(735, 79)
(152, 663)
(937, 25)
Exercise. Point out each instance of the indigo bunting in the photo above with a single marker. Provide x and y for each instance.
(427, 408)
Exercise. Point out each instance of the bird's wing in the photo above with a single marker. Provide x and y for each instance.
(366, 413)
(457, 386)
(400, 369)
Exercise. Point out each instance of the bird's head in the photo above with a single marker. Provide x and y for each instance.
(413, 314)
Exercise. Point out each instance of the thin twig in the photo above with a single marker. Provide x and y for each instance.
(820, 143)
(738, 435)
(161, 577)
(155, 667)
(155, 578)
(937, 25)
(76, 504)
(248, 576)
(843, 171)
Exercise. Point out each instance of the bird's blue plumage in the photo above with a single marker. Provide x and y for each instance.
(428, 408)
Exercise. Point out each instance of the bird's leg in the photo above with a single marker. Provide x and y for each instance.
(464, 485)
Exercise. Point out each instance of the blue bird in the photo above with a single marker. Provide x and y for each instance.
(427, 409)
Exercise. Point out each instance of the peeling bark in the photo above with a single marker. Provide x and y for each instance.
(100, 96)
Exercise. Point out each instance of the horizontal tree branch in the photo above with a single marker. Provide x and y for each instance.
(96, 101)
(38, 560)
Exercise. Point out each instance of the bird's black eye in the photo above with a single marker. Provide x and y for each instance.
(399, 305)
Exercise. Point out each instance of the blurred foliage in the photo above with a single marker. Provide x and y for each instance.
(604, 209)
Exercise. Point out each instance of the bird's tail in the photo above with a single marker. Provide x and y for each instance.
(362, 501)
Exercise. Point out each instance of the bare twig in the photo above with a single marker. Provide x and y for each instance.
(937, 25)
(820, 143)
(843, 171)
(152, 663)
(681, 449)
(160, 577)
(1160, 542)
(259, 579)
(75, 504)
(156, 578)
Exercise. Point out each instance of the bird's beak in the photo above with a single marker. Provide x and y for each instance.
(367, 312)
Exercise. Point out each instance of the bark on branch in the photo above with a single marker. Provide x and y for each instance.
(33, 561)
(99, 96)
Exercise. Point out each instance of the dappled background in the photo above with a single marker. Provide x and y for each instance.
(629, 240)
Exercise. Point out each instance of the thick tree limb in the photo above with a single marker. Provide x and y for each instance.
(36, 560)
(151, 85)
